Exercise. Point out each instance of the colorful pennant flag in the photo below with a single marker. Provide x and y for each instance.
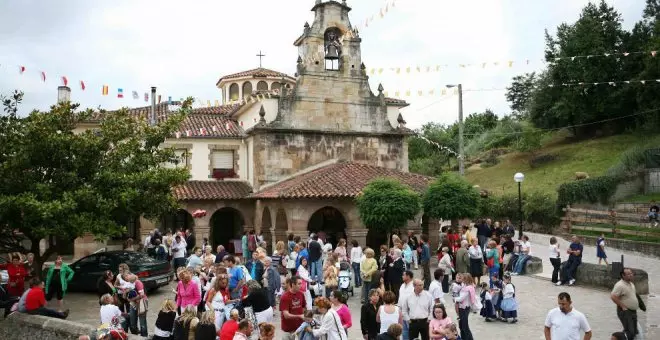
(21, 69)
(158, 99)
(82, 85)
(135, 95)
(105, 90)
(43, 76)
(65, 81)
(120, 93)
(146, 96)
(169, 100)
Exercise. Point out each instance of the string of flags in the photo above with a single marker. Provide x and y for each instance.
(362, 24)
(454, 91)
(404, 70)
(437, 145)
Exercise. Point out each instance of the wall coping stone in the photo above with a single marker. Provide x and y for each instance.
(591, 274)
(26, 326)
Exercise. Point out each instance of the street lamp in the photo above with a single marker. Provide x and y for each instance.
(519, 178)
(461, 162)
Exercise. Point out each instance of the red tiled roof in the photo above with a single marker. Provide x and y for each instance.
(340, 180)
(257, 72)
(212, 190)
(201, 125)
(218, 110)
(396, 101)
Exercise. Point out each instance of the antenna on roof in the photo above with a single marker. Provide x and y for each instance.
(260, 55)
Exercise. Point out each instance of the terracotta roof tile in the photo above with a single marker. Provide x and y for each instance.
(217, 110)
(202, 125)
(212, 190)
(257, 72)
(396, 101)
(340, 180)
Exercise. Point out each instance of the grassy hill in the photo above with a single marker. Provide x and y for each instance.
(593, 156)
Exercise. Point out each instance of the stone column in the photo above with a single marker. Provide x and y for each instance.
(202, 229)
(358, 234)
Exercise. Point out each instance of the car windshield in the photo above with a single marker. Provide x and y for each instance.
(135, 257)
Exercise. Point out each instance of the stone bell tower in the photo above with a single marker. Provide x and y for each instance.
(332, 91)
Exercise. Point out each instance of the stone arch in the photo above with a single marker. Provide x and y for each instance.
(275, 86)
(179, 220)
(262, 86)
(329, 221)
(281, 222)
(333, 47)
(233, 92)
(247, 89)
(226, 226)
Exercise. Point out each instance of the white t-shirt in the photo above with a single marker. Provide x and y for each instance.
(404, 292)
(566, 326)
(553, 251)
(356, 254)
(526, 246)
(435, 288)
(178, 249)
(109, 312)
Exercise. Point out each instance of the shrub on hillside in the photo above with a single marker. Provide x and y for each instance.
(537, 161)
(541, 208)
(590, 190)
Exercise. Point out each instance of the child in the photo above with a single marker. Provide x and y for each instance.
(456, 287)
(496, 293)
(129, 288)
(600, 249)
(509, 305)
(308, 321)
(487, 311)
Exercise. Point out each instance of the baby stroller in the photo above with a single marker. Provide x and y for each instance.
(345, 278)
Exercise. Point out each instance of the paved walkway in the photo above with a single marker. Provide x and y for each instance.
(536, 296)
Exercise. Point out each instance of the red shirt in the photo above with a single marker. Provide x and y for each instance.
(35, 299)
(294, 304)
(228, 330)
(17, 274)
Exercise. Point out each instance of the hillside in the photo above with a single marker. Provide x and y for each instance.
(593, 156)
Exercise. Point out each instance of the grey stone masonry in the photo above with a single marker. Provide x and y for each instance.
(35, 327)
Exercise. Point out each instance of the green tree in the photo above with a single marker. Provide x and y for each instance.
(386, 204)
(519, 94)
(54, 182)
(451, 197)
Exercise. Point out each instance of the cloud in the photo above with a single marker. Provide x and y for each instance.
(183, 48)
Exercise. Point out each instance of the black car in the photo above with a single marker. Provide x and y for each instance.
(153, 273)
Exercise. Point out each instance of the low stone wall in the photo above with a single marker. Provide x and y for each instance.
(590, 274)
(646, 248)
(19, 326)
(534, 266)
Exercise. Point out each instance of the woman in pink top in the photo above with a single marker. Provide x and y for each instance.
(339, 306)
(187, 291)
(465, 300)
(439, 322)
(341, 250)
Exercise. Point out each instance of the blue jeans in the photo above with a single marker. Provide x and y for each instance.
(405, 335)
(518, 268)
(356, 273)
(366, 287)
(133, 316)
(316, 271)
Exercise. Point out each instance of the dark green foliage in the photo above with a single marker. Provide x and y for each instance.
(451, 197)
(386, 204)
(590, 190)
(538, 207)
(54, 182)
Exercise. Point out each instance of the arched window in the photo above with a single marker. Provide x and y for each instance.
(233, 91)
(262, 86)
(275, 86)
(247, 89)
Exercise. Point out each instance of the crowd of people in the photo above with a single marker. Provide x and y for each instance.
(222, 296)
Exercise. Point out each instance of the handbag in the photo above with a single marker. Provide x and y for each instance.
(475, 305)
(642, 305)
(490, 262)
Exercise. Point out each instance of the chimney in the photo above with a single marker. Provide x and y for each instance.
(152, 115)
(63, 94)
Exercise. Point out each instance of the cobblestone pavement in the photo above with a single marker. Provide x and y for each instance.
(536, 295)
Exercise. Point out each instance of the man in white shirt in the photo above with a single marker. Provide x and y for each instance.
(147, 241)
(435, 288)
(179, 252)
(405, 290)
(417, 309)
(566, 323)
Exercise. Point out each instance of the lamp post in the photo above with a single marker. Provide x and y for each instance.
(461, 163)
(519, 178)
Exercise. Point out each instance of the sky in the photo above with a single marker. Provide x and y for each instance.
(183, 48)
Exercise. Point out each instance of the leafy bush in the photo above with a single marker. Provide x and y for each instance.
(541, 208)
(590, 190)
(450, 197)
(386, 204)
(539, 160)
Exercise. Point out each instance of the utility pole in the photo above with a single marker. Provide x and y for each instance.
(461, 156)
(461, 160)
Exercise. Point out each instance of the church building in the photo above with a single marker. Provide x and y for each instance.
(288, 154)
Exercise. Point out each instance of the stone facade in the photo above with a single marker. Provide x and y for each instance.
(279, 154)
(590, 274)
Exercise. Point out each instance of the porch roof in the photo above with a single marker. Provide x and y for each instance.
(212, 190)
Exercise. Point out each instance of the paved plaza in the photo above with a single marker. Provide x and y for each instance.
(536, 296)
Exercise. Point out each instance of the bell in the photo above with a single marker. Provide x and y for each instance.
(332, 53)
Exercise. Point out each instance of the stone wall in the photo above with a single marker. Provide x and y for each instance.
(279, 154)
(19, 326)
(591, 274)
(645, 248)
(652, 180)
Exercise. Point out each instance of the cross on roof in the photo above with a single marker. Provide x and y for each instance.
(260, 55)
